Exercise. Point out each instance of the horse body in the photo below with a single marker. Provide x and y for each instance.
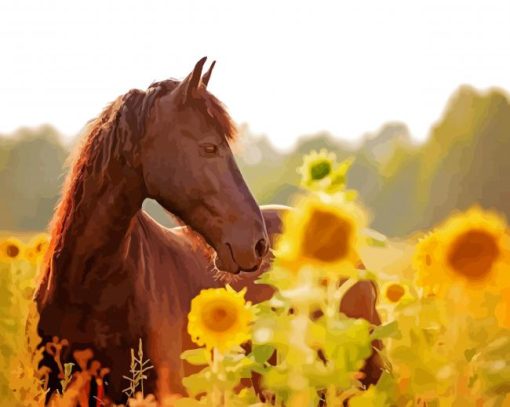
(146, 296)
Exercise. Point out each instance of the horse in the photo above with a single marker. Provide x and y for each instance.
(112, 275)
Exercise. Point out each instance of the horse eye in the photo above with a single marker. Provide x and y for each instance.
(210, 149)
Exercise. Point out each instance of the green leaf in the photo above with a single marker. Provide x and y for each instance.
(262, 370)
(196, 357)
(262, 353)
(198, 382)
(389, 330)
(240, 369)
(338, 175)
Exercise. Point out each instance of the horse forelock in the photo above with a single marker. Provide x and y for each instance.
(216, 110)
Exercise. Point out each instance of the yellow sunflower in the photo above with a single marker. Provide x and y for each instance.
(39, 244)
(220, 318)
(316, 166)
(321, 172)
(395, 292)
(31, 255)
(11, 249)
(322, 232)
(471, 249)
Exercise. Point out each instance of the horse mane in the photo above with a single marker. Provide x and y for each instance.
(109, 137)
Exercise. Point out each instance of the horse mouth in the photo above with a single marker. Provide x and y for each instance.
(237, 267)
(231, 278)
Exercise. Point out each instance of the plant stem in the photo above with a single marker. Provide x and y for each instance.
(331, 289)
(344, 287)
(331, 395)
(216, 367)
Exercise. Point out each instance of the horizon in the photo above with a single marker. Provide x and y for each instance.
(323, 73)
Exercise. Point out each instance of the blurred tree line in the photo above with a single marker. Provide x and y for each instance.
(31, 172)
(406, 186)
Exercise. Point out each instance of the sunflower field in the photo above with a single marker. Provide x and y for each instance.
(444, 307)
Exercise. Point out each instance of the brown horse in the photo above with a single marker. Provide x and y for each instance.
(112, 274)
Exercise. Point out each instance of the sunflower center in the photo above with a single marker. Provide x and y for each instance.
(217, 317)
(320, 170)
(395, 292)
(326, 237)
(473, 253)
(12, 250)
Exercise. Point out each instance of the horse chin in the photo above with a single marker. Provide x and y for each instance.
(228, 266)
(225, 277)
(229, 278)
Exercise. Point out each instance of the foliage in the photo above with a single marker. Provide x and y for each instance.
(31, 167)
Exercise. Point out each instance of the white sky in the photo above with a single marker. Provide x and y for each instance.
(287, 68)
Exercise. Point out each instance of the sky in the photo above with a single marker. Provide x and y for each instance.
(287, 68)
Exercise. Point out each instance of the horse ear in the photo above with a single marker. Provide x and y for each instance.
(188, 87)
(207, 75)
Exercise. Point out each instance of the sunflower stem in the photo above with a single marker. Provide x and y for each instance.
(344, 287)
(216, 367)
(331, 289)
(331, 395)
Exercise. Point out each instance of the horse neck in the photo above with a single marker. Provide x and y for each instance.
(94, 239)
(107, 208)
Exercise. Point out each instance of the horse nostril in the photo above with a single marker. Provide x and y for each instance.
(261, 248)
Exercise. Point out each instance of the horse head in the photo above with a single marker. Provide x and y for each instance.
(189, 168)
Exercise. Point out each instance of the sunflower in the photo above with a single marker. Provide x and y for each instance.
(31, 255)
(220, 318)
(316, 166)
(321, 232)
(471, 249)
(11, 249)
(395, 292)
(320, 171)
(39, 244)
